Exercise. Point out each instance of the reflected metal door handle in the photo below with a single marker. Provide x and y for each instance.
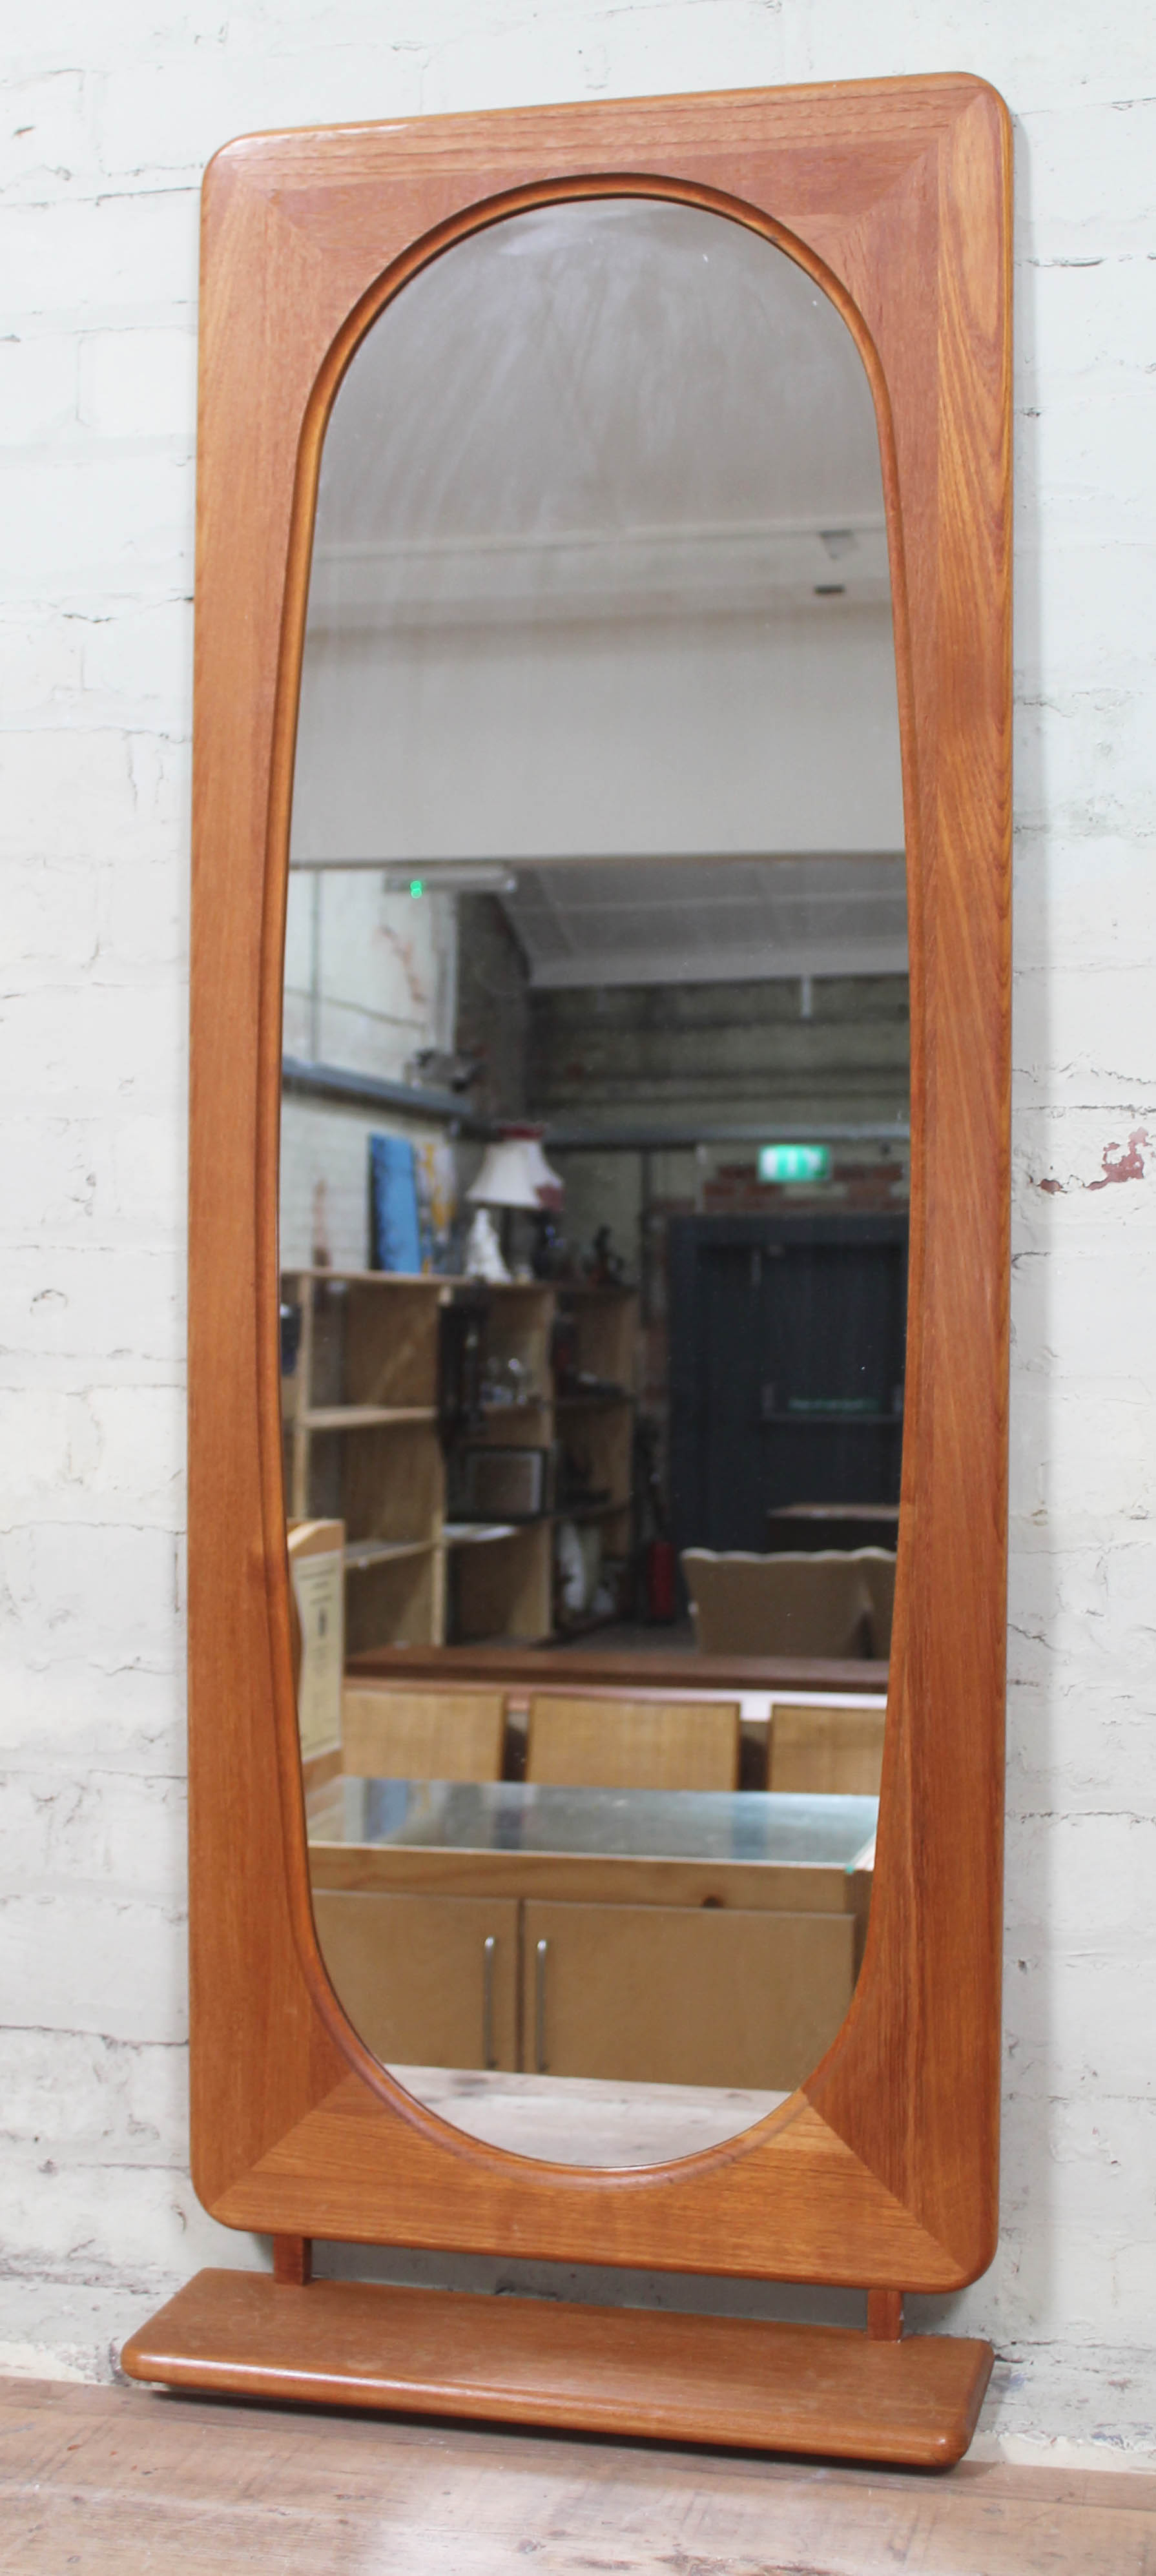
(489, 1947)
(541, 1954)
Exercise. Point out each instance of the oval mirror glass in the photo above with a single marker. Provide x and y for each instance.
(594, 1170)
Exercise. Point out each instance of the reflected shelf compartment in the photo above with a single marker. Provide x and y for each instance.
(364, 1444)
(834, 1418)
(367, 1552)
(359, 1404)
(362, 1417)
(479, 1533)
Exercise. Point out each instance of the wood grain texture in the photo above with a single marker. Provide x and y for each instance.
(293, 2261)
(835, 2221)
(758, 2386)
(895, 196)
(216, 2490)
(884, 2315)
(835, 1750)
(572, 1740)
(390, 1734)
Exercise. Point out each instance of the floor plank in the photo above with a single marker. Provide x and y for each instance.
(119, 2482)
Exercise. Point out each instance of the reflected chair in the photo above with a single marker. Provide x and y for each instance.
(574, 1742)
(803, 1603)
(835, 1750)
(390, 1732)
(878, 1564)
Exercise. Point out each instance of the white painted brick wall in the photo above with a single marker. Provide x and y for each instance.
(111, 113)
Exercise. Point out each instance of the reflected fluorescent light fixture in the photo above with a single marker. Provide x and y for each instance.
(423, 876)
(794, 1162)
(515, 1173)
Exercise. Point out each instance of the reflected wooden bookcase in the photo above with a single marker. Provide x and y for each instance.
(364, 1444)
(359, 1389)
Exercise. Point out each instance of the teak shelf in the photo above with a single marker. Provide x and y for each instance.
(823, 2390)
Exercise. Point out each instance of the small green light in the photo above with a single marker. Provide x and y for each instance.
(415, 886)
(794, 1162)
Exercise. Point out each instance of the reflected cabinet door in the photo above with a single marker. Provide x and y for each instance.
(428, 1980)
(679, 1995)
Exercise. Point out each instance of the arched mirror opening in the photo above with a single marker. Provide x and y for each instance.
(594, 1174)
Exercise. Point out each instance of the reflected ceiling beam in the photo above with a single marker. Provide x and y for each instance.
(421, 876)
(638, 1139)
(731, 567)
(443, 871)
(843, 964)
(372, 1091)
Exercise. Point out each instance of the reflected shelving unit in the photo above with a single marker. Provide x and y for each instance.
(364, 1445)
(500, 1568)
(359, 1395)
(596, 1422)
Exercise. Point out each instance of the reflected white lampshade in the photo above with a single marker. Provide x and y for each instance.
(516, 1174)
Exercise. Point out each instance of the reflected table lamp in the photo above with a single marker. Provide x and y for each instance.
(514, 1173)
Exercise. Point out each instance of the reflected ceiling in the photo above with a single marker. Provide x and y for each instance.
(714, 920)
(772, 438)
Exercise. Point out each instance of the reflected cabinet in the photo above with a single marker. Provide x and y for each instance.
(598, 1311)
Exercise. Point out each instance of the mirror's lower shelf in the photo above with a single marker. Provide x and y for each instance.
(820, 2390)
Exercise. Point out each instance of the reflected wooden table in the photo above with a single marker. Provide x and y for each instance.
(842, 1525)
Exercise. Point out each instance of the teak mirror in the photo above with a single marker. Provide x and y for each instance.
(602, 754)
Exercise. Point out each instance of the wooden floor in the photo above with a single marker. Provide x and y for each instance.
(111, 2479)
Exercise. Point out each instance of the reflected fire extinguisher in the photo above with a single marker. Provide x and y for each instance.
(660, 1605)
(658, 1560)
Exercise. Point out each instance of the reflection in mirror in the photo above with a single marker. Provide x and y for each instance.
(594, 1180)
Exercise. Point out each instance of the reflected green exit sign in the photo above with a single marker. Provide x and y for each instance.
(794, 1162)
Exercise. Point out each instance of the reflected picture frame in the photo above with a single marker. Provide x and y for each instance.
(881, 2171)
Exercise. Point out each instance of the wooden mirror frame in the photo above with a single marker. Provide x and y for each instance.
(881, 2171)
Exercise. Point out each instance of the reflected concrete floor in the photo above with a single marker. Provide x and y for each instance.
(584, 2120)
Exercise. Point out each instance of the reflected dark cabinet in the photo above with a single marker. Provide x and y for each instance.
(795, 1325)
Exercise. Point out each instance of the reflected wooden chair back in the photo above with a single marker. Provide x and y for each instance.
(800, 1603)
(390, 1732)
(575, 1742)
(878, 1564)
(837, 1749)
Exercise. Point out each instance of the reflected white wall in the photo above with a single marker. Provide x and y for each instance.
(682, 735)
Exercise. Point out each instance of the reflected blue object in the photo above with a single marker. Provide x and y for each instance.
(396, 1227)
(386, 1809)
